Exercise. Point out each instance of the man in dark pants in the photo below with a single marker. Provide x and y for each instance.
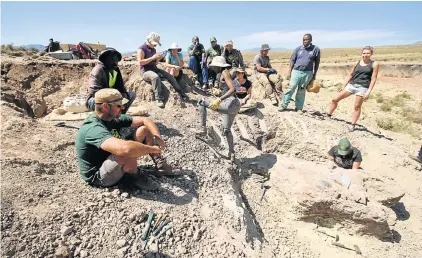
(197, 62)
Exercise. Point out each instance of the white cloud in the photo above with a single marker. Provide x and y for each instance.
(323, 38)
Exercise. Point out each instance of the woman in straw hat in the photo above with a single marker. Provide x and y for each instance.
(174, 61)
(228, 104)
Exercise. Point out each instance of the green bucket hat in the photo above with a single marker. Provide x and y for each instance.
(344, 147)
(213, 39)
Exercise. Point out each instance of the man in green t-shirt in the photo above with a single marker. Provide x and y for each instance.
(106, 153)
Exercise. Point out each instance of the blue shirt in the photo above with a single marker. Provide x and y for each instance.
(173, 60)
(303, 59)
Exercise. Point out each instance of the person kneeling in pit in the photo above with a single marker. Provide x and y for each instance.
(344, 155)
(106, 155)
(243, 89)
(228, 104)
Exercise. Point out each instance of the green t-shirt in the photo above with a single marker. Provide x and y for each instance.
(213, 52)
(89, 138)
(199, 50)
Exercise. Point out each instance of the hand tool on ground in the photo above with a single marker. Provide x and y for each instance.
(63, 124)
(164, 223)
(353, 248)
(147, 225)
(336, 237)
(164, 230)
(264, 188)
(157, 221)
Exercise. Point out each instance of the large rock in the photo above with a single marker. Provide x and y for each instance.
(314, 196)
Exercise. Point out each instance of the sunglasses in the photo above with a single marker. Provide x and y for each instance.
(118, 105)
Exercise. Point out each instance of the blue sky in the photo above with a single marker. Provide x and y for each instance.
(124, 25)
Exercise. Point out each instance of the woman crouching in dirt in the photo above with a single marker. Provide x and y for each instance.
(243, 89)
(228, 104)
(360, 82)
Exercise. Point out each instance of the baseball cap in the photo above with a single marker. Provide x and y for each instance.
(212, 39)
(344, 147)
(154, 38)
(109, 95)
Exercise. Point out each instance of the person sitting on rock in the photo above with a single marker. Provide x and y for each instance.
(106, 153)
(147, 58)
(197, 62)
(174, 61)
(304, 64)
(228, 104)
(213, 51)
(243, 89)
(53, 46)
(106, 74)
(266, 75)
(233, 56)
(360, 82)
(344, 155)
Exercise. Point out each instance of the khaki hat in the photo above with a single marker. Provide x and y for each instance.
(229, 42)
(154, 38)
(239, 70)
(265, 47)
(219, 61)
(109, 95)
(175, 46)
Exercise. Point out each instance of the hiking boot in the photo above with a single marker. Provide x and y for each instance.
(201, 133)
(164, 169)
(300, 111)
(143, 182)
(160, 103)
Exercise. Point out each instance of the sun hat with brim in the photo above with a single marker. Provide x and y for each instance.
(108, 95)
(107, 52)
(154, 38)
(219, 61)
(229, 42)
(175, 46)
(239, 70)
(265, 47)
(344, 147)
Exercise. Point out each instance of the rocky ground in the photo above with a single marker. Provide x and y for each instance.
(215, 207)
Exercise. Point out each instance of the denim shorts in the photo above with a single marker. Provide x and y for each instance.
(356, 89)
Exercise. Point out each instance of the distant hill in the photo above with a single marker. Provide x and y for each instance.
(256, 49)
(418, 43)
(134, 52)
(36, 46)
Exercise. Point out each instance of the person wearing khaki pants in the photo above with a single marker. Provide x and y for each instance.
(266, 75)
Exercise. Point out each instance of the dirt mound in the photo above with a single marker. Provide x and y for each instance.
(48, 211)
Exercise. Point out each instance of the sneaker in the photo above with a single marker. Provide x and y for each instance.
(204, 87)
(281, 108)
(160, 103)
(143, 182)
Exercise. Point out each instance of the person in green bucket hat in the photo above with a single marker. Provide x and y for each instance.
(344, 155)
